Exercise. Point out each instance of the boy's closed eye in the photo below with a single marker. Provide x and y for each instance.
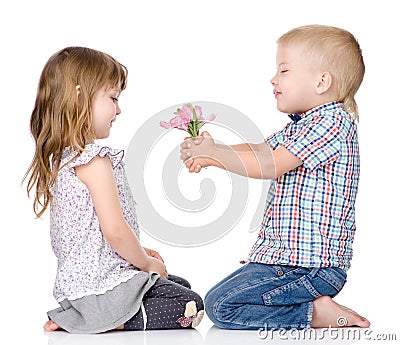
(283, 68)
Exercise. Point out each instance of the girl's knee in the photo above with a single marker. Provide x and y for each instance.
(193, 296)
(180, 281)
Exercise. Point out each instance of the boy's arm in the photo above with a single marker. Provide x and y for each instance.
(249, 147)
(251, 160)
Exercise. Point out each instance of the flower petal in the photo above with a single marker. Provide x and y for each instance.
(165, 125)
(212, 117)
(179, 122)
(187, 110)
(198, 111)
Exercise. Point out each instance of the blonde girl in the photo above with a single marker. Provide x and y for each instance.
(105, 278)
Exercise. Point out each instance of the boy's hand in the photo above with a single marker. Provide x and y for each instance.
(193, 164)
(197, 153)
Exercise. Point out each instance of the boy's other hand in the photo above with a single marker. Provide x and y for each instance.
(197, 152)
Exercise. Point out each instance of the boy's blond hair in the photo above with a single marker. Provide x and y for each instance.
(336, 51)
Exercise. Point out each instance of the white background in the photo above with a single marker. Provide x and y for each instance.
(179, 51)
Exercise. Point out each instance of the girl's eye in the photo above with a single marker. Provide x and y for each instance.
(114, 99)
(284, 71)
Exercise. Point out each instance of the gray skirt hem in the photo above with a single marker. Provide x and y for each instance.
(100, 313)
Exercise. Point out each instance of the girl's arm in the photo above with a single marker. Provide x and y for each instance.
(251, 160)
(99, 177)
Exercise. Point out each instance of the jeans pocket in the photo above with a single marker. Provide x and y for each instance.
(329, 281)
(302, 285)
(294, 288)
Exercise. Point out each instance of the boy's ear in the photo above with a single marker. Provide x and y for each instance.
(324, 83)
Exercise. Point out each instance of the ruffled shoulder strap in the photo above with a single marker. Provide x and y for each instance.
(91, 151)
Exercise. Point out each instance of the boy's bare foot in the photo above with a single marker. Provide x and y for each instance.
(51, 326)
(328, 313)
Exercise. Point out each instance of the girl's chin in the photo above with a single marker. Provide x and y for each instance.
(103, 136)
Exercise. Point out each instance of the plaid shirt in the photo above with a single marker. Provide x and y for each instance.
(309, 217)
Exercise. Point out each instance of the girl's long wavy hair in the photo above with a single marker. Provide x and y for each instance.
(60, 118)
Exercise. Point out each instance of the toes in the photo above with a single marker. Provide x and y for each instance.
(50, 326)
(363, 322)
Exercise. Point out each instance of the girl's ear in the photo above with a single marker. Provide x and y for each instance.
(78, 90)
(324, 83)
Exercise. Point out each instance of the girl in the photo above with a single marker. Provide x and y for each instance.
(105, 279)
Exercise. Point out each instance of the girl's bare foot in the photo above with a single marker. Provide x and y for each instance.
(51, 326)
(328, 313)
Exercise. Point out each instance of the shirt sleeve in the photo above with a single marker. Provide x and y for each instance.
(93, 150)
(317, 143)
(275, 140)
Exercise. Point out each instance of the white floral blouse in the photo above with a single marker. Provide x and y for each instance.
(86, 262)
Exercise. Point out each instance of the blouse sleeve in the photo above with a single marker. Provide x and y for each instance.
(94, 150)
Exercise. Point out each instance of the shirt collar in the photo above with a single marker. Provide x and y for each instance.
(331, 106)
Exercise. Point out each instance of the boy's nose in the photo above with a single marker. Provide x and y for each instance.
(273, 81)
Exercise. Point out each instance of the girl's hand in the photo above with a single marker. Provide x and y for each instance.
(197, 153)
(155, 265)
(153, 254)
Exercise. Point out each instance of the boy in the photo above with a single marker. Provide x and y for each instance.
(304, 247)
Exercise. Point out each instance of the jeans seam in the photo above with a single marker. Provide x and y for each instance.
(291, 271)
(234, 293)
(298, 282)
(332, 282)
(310, 288)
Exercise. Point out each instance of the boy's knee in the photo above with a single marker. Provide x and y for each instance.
(210, 307)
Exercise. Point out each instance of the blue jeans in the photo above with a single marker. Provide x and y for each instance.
(277, 297)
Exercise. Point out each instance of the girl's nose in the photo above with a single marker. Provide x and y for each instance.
(117, 110)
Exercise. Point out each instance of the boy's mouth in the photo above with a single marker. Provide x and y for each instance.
(277, 93)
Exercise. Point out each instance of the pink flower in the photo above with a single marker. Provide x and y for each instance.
(186, 111)
(212, 117)
(165, 125)
(198, 112)
(188, 118)
(180, 122)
